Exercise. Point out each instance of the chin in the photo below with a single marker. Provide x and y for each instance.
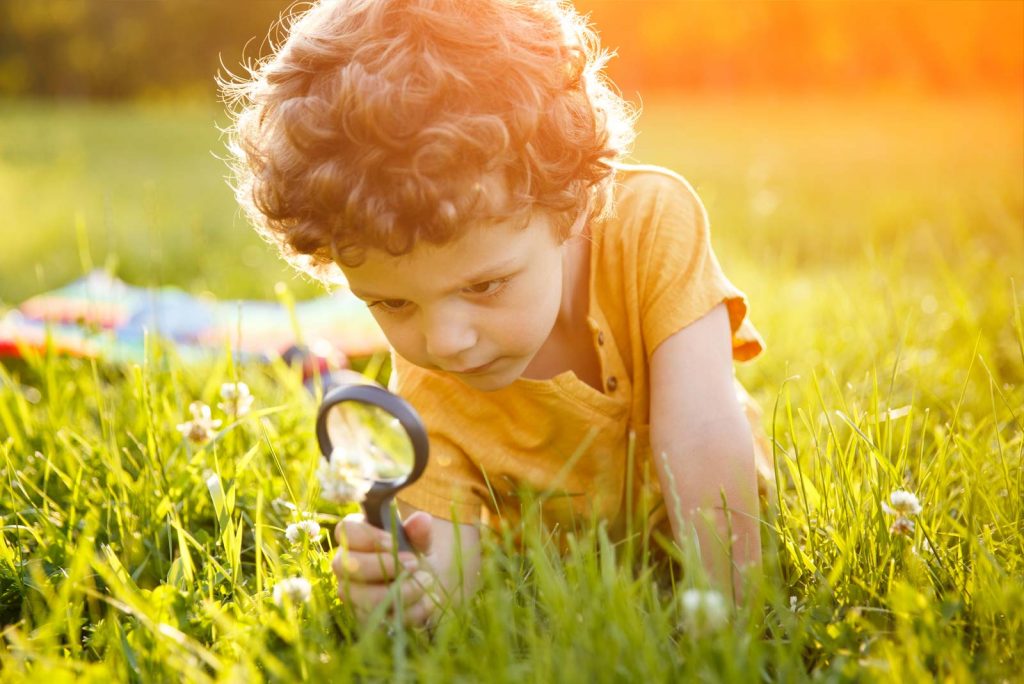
(493, 381)
(488, 383)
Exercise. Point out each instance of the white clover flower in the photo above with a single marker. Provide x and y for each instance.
(305, 529)
(293, 589)
(904, 504)
(201, 428)
(237, 399)
(902, 526)
(346, 477)
(703, 612)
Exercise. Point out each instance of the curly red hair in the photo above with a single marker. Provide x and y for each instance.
(375, 121)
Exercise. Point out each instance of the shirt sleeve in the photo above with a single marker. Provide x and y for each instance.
(451, 487)
(680, 279)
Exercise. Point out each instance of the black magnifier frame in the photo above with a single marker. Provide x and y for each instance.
(377, 503)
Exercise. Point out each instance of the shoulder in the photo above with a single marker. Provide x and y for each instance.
(653, 191)
(656, 214)
(653, 208)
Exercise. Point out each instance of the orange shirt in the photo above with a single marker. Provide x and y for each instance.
(652, 272)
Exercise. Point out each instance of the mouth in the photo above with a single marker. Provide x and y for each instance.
(475, 370)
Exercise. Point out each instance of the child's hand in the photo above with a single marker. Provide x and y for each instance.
(366, 569)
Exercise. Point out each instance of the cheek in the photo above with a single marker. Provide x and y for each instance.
(400, 336)
(530, 319)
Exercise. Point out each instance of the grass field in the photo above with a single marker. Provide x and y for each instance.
(881, 243)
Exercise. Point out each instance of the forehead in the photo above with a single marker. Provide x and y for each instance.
(488, 250)
(469, 202)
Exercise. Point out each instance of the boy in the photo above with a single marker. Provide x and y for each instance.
(457, 160)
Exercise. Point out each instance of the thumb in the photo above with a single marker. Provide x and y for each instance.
(419, 528)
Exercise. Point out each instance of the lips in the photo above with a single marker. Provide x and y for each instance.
(476, 369)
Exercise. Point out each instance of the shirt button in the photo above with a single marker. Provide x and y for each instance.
(612, 383)
(600, 337)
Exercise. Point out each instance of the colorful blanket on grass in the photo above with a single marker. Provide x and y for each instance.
(99, 316)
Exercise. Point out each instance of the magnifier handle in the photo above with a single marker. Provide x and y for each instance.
(381, 514)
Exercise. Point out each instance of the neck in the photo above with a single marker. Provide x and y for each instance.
(575, 280)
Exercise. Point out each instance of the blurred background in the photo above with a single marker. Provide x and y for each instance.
(846, 151)
(118, 49)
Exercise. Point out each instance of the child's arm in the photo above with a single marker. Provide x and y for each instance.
(446, 569)
(702, 446)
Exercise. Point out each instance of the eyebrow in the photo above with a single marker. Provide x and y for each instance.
(480, 276)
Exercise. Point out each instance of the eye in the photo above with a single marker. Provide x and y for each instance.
(488, 287)
(391, 305)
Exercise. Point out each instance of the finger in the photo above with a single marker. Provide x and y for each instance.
(362, 598)
(365, 597)
(419, 528)
(356, 534)
(371, 568)
(421, 613)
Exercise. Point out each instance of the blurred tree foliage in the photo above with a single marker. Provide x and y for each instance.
(133, 48)
(126, 48)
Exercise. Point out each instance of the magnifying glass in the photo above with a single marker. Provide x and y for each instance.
(386, 435)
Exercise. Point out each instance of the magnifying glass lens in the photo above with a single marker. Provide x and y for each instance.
(370, 438)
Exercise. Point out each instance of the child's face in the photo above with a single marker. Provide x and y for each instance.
(479, 307)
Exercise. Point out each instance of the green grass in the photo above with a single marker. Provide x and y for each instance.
(881, 243)
(140, 188)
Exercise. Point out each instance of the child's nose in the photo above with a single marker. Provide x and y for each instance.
(448, 340)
